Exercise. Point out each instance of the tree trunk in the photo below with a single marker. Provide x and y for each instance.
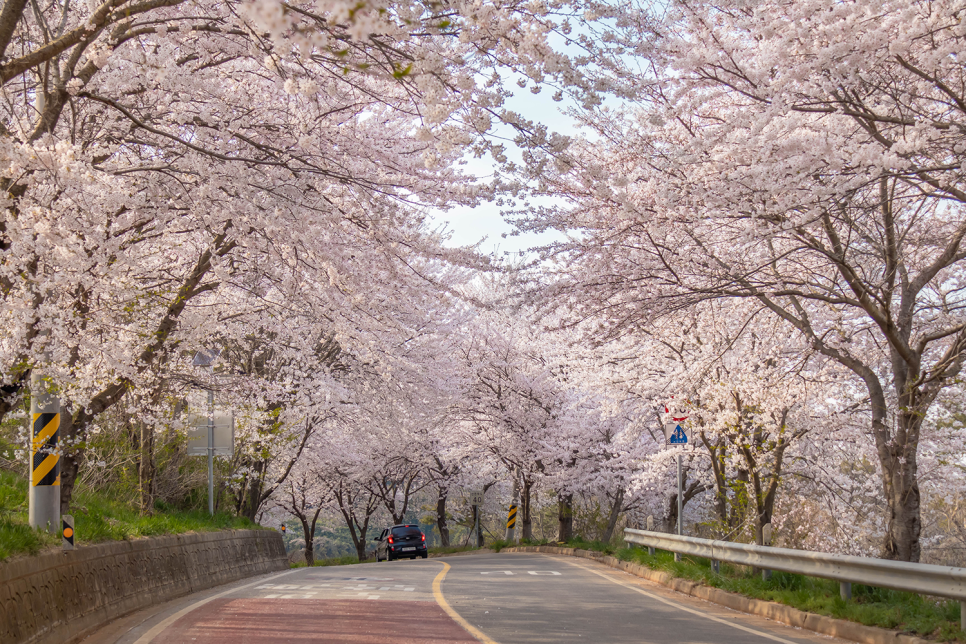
(441, 519)
(70, 462)
(565, 517)
(615, 513)
(146, 468)
(670, 518)
(309, 537)
(253, 496)
(901, 488)
(526, 519)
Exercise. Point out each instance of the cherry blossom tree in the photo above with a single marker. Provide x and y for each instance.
(814, 170)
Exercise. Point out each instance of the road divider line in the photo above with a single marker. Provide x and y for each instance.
(438, 594)
(158, 628)
(753, 631)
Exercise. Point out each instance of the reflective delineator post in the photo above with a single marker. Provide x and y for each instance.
(68, 532)
(845, 590)
(766, 541)
(44, 492)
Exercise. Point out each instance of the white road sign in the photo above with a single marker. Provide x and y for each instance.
(224, 434)
(675, 434)
(476, 497)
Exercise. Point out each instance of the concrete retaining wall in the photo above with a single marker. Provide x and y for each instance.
(58, 597)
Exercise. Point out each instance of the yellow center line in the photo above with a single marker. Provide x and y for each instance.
(438, 594)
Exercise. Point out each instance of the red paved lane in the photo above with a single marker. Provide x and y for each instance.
(275, 621)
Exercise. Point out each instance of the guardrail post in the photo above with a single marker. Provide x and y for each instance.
(650, 528)
(716, 566)
(766, 541)
(845, 590)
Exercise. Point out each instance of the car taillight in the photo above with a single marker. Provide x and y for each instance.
(390, 539)
(424, 537)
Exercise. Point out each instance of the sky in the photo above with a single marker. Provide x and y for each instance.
(471, 225)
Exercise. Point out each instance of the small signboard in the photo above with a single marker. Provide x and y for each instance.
(476, 497)
(675, 434)
(224, 434)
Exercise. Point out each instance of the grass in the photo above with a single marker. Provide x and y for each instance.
(97, 517)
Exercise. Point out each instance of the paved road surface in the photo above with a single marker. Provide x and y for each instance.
(509, 598)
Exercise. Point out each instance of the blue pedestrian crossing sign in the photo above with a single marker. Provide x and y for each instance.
(675, 434)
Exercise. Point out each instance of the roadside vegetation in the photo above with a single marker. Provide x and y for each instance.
(101, 515)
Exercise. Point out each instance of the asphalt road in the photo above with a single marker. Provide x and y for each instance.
(508, 598)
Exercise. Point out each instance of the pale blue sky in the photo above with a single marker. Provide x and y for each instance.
(470, 225)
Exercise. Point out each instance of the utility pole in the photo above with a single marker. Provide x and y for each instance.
(44, 491)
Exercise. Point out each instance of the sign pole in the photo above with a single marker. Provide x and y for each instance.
(677, 557)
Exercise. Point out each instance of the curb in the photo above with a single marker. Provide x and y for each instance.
(841, 628)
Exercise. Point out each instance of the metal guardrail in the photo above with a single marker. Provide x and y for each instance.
(926, 579)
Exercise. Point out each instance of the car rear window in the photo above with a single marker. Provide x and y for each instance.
(407, 532)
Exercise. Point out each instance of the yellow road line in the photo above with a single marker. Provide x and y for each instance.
(438, 594)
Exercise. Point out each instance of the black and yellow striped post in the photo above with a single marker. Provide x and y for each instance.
(44, 494)
(511, 522)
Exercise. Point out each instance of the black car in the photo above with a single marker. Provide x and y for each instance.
(401, 541)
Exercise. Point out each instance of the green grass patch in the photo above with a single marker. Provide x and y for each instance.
(98, 516)
(933, 618)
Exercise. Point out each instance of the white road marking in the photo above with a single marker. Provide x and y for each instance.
(543, 572)
(165, 623)
(684, 608)
(497, 572)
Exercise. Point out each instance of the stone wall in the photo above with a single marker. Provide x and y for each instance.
(58, 597)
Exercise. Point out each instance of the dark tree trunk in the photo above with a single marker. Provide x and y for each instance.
(670, 518)
(70, 462)
(900, 471)
(252, 499)
(146, 468)
(565, 517)
(615, 513)
(441, 519)
(526, 519)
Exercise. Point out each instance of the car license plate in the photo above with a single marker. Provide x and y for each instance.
(408, 549)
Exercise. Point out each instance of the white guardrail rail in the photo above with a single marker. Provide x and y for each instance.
(926, 579)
